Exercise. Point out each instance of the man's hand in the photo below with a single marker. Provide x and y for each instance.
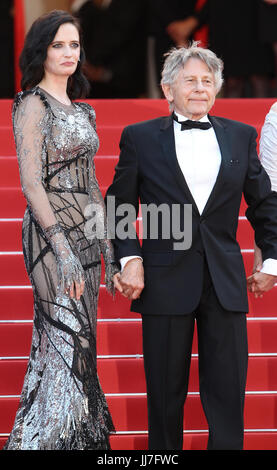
(259, 283)
(132, 279)
(258, 259)
(180, 31)
(271, 2)
(96, 73)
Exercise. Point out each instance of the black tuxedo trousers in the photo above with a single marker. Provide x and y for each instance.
(222, 359)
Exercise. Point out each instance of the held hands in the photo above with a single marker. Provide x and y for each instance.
(259, 282)
(130, 282)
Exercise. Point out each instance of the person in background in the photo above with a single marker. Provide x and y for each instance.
(115, 45)
(163, 19)
(268, 140)
(268, 33)
(7, 86)
(268, 157)
(234, 37)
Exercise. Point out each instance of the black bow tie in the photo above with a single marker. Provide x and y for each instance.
(188, 124)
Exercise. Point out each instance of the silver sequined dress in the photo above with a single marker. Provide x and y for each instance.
(62, 404)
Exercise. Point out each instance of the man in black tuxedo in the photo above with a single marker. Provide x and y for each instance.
(209, 167)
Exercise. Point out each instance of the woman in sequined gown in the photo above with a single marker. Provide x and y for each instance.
(62, 405)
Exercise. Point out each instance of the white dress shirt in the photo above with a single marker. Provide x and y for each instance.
(268, 147)
(268, 155)
(199, 158)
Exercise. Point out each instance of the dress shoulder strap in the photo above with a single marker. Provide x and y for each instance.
(19, 97)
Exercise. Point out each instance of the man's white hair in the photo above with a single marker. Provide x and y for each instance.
(176, 58)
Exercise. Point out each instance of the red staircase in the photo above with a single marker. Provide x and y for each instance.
(119, 330)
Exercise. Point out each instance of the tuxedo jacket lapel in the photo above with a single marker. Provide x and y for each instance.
(221, 133)
(168, 146)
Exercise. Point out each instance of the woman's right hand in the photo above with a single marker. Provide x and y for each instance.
(70, 270)
(71, 276)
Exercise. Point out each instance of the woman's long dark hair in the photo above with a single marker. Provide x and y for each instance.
(34, 53)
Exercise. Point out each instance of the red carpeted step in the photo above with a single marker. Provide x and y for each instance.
(110, 124)
(13, 203)
(7, 142)
(116, 338)
(121, 338)
(13, 270)
(245, 235)
(126, 375)
(9, 178)
(104, 167)
(17, 304)
(130, 412)
(10, 235)
(124, 112)
(6, 113)
(196, 441)
(12, 198)
(109, 137)
(264, 306)
(9, 172)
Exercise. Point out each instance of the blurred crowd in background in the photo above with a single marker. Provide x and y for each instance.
(125, 42)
